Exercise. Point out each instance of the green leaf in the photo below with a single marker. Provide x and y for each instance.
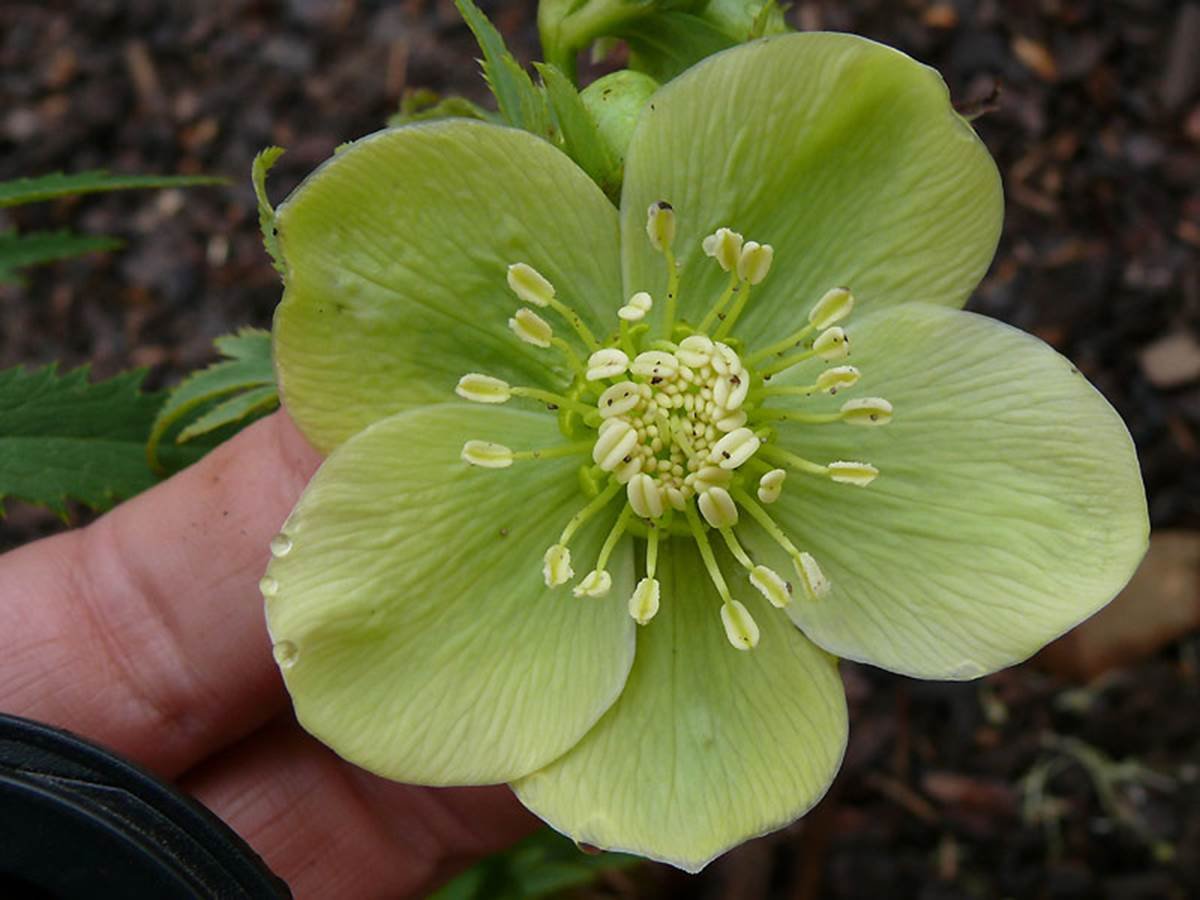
(20, 250)
(424, 105)
(542, 865)
(63, 438)
(263, 162)
(580, 134)
(247, 368)
(58, 184)
(665, 45)
(521, 104)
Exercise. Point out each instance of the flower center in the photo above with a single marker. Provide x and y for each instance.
(682, 424)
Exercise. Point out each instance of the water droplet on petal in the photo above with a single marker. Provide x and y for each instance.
(285, 653)
(281, 544)
(268, 586)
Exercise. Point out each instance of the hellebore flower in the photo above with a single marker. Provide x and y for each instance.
(579, 458)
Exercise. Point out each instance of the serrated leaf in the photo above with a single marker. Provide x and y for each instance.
(424, 105)
(236, 409)
(20, 250)
(247, 367)
(266, 158)
(63, 438)
(59, 184)
(521, 104)
(580, 136)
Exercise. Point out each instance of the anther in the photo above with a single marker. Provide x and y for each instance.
(556, 566)
(529, 284)
(816, 585)
(595, 583)
(645, 497)
(732, 421)
(832, 344)
(729, 391)
(735, 448)
(487, 455)
(740, 627)
(834, 306)
(694, 351)
(660, 225)
(654, 364)
(771, 485)
(531, 328)
(725, 247)
(754, 261)
(618, 399)
(867, 411)
(613, 443)
(858, 473)
(771, 585)
(643, 605)
(483, 388)
(637, 307)
(608, 362)
(836, 378)
(718, 508)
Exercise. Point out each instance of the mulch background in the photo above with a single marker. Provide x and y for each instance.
(1097, 131)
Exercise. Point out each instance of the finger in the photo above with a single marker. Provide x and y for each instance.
(145, 630)
(331, 830)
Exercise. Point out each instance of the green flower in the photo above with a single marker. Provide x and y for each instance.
(475, 589)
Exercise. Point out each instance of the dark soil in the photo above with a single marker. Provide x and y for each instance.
(1095, 121)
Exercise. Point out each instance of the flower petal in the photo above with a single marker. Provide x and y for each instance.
(707, 746)
(1008, 508)
(410, 617)
(396, 253)
(843, 154)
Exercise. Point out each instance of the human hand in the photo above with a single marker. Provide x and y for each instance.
(145, 632)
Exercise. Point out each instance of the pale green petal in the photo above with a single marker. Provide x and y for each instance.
(396, 253)
(411, 621)
(843, 154)
(708, 746)
(1008, 508)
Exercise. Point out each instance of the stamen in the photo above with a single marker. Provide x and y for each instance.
(643, 605)
(725, 247)
(483, 388)
(816, 585)
(637, 307)
(556, 566)
(660, 225)
(831, 345)
(771, 585)
(694, 351)
(730, 318)
(607, 363)
(706, 554)
(841, 471)
(531, 328)
(555, 400)
(770, 486)
(575, 449)
(532, 287)
(598, 582)
(645, 497)
(571, 356)
(755, 261)
(735, 547)
(615, 441)
(740, 627)
(717, 310)
(651, 550)
(735, 448)
(595, 583)
(487, 455)
(867, 411)
(618, 399)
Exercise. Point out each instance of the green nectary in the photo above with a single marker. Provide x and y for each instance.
(419, 605)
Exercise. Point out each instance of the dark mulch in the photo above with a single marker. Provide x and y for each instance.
(1097, 131)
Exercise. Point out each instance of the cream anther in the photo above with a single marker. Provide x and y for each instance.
(831, 308)
(755, 261)
(595, 583)
(732, 421)
(771, 485)
(529, 284)
(487, 455)
(725, 360)
(626, 470)
(531, 328)
(556, 566)
(618, 399)
(725, 247)
(643, 605)
(867, 411)
(644, 496)
(482, 388)
(858, 473)
(729, 391)
(735, 448)
(718, 508)
(771, 585)
(695, 351)
(708, 477)
(740, 627)
(816, 585)
(613, 443)
(660, 225)
(608, 362)
(637, 307)
(655, 364)
(832, 344)
(834, 379)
